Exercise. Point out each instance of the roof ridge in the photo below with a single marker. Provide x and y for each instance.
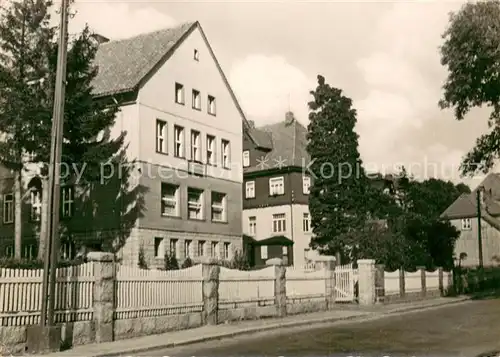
(149, 33)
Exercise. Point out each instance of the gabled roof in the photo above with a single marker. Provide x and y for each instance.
(465, 206)
(124, 65)
(286, 142)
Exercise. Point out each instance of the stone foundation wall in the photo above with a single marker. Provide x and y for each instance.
(410, 297)
(144, 326)
(13, 338)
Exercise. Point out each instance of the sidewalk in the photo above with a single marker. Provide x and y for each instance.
(208, 333)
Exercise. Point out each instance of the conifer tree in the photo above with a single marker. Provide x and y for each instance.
(27, 109)
(337, 200)
(25, 39)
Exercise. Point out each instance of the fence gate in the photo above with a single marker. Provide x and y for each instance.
(345, 279)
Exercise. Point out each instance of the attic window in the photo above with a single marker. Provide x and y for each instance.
(196, 55)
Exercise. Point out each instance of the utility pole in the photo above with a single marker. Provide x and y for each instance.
(479, 233)
(52, 231)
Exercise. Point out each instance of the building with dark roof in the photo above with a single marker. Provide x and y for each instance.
(184, 131)
(463, 215)
(275, 192)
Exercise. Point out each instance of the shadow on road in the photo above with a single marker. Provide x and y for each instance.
(486, 295)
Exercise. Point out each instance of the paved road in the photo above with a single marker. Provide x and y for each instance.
(457, 330)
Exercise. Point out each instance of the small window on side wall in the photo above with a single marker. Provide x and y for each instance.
(466, 224)
(196, 55)
(211, 105)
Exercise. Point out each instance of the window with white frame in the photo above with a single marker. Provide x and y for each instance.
(159, 247)
(263, 252)
(8, 208)
(196, 99)
(187, 248)
(306, 184)
(196, 55)
(250, 189)
(210, 150)
(9, 251)
(466, 224)
(211, 105)
(276, 186)
(246, 158)
(179, 141)
(225, 153)
(219, 202)
(306, 222)
(67, 201)
(173, 247)
(284, 250)
(195, 146)
(227, 250)
(215, 249)
(279, 223)
(201, 248)
(36, 205)
(252, 225)
(169, 200)
(179, 93)
(161, 136)
(195, 203)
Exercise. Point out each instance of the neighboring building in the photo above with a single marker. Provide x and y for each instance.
(184, 131)
(463, 215)
(276, 192)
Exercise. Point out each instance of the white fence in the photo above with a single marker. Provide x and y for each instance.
(147, 293)
(304, 284)
(21, 295)
(345, 281)
(246, 288)
(413, 281)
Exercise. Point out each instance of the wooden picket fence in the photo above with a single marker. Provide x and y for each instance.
(149, 293)
(21, 295)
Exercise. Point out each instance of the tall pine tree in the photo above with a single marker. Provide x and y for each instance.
(25, 39)
(86, 137)
(87, 143)
(337, 200)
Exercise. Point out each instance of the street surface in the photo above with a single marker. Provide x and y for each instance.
(469, 329)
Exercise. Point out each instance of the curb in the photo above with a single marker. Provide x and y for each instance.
(248, 331)
(361, 316)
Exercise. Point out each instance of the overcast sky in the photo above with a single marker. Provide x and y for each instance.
(384, 55)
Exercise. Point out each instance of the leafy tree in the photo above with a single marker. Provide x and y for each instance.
(25, 39)
(171, 262)
(187, 263)
(471, 57)
(337, 197)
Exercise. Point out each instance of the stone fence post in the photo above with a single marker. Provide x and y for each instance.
(423, 280)
(279, 285)
(211, 271)
(402, 283)
(366, 284)
(379, 283)
(327, 263)
(104, 295)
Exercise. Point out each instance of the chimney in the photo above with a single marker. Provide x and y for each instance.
(289, 118)
(100, 38)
